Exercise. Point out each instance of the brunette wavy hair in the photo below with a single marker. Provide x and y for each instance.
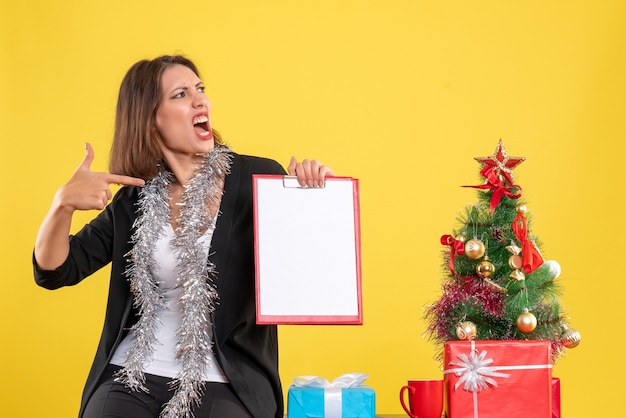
(135, 151)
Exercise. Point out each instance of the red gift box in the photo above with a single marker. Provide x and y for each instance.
(495, 379)
(556, 397)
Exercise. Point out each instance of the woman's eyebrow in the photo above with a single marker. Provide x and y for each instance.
(178, 88)
(198, 84)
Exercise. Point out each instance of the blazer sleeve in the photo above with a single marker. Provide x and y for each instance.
(90, 249)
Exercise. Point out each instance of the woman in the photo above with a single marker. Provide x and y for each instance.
(179, 335)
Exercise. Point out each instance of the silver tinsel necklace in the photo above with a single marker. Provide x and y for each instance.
(199, 295)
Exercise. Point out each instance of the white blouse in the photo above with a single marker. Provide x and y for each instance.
(164, 361)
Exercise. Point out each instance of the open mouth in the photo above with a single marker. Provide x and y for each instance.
(201, 125)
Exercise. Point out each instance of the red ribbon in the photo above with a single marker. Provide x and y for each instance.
(531, 258)
(497, 186)
(456, 247)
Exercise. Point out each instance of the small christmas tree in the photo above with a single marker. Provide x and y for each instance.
(497, 285)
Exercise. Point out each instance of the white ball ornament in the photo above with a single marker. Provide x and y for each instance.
(554, 268)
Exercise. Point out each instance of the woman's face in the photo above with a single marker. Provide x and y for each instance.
(183, 116)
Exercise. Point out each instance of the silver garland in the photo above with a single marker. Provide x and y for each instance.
(199, 294)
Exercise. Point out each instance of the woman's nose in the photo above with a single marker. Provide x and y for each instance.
(200, 100)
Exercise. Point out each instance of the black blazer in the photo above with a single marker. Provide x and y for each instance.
(247, 352)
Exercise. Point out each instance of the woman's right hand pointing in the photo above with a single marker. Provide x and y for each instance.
(87, 190)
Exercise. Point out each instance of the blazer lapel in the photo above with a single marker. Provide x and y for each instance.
(228, 206)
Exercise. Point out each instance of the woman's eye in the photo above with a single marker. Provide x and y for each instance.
(179, 95)
(201, 89)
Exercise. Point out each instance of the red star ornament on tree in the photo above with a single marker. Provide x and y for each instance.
(501, 163)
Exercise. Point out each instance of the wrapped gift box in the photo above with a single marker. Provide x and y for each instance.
(556, 397)
(311, 402)
(495, 379)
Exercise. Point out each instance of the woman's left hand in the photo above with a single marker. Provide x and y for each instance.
(310, 173)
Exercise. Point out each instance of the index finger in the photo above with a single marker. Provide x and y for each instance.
(124, 180)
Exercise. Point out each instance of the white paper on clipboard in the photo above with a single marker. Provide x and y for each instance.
(307, 251)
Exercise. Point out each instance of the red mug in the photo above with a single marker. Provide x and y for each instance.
(425, 398)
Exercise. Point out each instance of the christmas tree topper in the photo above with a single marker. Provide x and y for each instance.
(501, 164)
(498, 173)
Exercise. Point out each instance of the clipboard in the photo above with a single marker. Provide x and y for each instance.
(307, 251)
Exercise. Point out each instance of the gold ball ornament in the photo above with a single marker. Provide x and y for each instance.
(485, 269)
(462, 238)
(521, 209)
(466, 331)
(526, 322)
(570, 338)
(474, 248)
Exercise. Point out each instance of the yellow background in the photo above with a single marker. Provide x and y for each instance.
(401, 94)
